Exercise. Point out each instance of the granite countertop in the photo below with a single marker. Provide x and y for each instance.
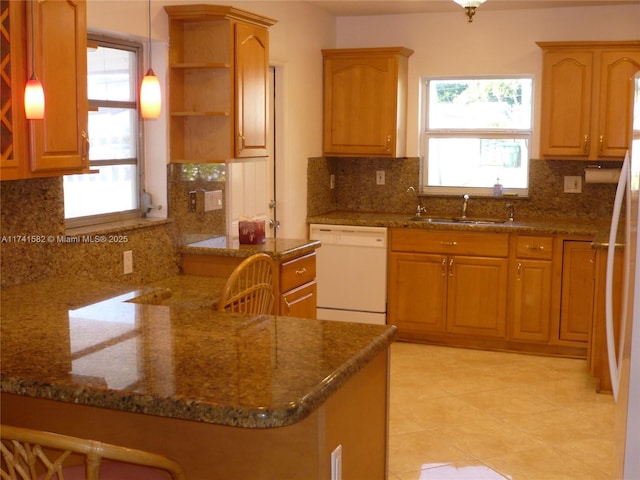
(278, 248)
(578, 227)
(93, 343)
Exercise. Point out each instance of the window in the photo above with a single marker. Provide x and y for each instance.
(113, 67)
(478, 131)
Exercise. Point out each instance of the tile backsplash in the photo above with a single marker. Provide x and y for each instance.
(356, 190)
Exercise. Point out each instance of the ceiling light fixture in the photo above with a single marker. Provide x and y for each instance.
(470, 7)
(150, 97)
(33, 90)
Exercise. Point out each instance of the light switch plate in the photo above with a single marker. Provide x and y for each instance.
(573, 184)
(212, 200)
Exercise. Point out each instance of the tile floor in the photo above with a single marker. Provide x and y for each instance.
(470, 414)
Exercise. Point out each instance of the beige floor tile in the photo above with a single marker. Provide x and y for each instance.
(595, 452)
(415, 451)
(488, 437)
(457, 471)
(545, 463)
(510, 401)
(455, 412)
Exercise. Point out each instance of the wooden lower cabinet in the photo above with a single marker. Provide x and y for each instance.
(412, 306)
(532, 287)
(477, 296)
(296, 291)
(492, 290)
(300, 302)
(444, 292)
(578, 291)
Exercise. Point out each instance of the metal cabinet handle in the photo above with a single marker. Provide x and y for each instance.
(87, 146)
(586, 143)
(301, 299)
(519, 270)
(444, 266)
(300, 272)
(448, 244)
(535, 247)
(601, 142)
(388, 143)
(451, 267)
(241, 137)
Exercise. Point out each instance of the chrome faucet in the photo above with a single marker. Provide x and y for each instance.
(509, 207)
(465, 205)
(419, 209)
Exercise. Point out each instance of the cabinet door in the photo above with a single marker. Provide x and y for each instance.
(59, 141)
(617, 68)
(301, 302)
(360, 105)
(578, 280)
(532, 300)
(566, 103)
(13, 126)
(251, 70)
(417, 292)
(477, 296)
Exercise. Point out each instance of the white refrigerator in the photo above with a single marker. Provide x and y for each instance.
(624, 354)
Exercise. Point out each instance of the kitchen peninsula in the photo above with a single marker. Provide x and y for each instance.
(226, 395)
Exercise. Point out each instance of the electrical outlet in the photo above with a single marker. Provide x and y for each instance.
(573, 184)
(332, 181)
(336, 463)
(212, 200)
(380, 177)
(127, 260)
(192, 201)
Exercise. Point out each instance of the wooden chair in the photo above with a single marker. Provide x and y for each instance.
(250, 289)
(33, 455)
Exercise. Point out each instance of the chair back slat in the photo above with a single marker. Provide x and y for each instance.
(27, 454)
(250, 288)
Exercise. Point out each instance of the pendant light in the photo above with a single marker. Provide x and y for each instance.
(33, 91)
(150, 98)
(470, 7)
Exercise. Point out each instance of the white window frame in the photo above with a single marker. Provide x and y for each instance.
(427, 133)
(136, 47)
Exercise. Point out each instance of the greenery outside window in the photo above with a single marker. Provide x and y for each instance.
(477, 133)
(115, 134)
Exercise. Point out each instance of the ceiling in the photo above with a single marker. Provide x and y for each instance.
(391, 7)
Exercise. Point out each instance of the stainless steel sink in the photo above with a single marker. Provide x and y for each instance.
(459, 220)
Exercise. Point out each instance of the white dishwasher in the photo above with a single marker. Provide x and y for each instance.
(351, 271)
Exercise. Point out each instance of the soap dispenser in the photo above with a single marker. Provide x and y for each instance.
(497, 188)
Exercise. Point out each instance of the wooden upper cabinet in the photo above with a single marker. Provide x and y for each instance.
(57, 144)
(251, 69)
(586, 99)
(365, 102)
(13, 125)
(218, 105)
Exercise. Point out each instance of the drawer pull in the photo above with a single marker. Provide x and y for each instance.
(289, 304)
(448, 244)
(535, 247)
(519, 270)
(300, 272)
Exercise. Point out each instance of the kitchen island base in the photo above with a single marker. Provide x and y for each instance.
(355, 416)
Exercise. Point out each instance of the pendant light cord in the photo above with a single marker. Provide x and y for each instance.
(149, 32)
(33, 42)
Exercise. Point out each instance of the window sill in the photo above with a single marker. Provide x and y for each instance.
(117, 227)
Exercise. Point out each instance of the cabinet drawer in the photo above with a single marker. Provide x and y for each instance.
(534, 247)
(297, 271)
(450, 242)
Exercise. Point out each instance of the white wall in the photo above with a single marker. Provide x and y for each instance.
(295, 43)
(496, 42)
